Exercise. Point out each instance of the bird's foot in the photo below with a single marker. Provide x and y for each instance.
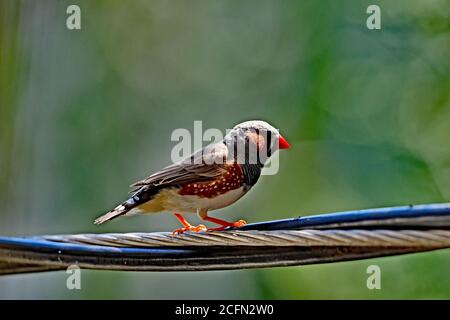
(235, 224)
(187, 226)
(199, 228)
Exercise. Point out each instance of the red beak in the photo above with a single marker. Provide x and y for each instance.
(282, 143)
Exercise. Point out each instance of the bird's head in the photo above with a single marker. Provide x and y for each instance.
(255, 140)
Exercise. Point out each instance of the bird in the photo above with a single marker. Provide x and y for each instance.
(211, 178)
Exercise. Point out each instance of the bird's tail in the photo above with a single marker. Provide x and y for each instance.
(116, 212)
(139, 196)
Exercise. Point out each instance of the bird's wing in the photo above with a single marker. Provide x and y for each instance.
(205, 164)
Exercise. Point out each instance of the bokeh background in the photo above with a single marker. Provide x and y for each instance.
(84, 113)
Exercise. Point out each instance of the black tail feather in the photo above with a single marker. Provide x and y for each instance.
(117, 212)
(142, 195)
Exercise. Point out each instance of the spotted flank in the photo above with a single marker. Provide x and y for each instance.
(232, 179)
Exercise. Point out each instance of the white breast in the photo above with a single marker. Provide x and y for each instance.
(191, 203)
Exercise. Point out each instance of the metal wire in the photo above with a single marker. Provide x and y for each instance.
(290, 238)
(324, 238)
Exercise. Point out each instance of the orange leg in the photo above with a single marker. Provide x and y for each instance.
(187, 226)
(224, 224)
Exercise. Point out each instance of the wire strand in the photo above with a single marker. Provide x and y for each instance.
(383, 238)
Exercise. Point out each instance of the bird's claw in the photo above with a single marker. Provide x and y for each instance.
(235, 224)
(238, 223)
(199, 228)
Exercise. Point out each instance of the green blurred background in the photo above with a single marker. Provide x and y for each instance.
(84, 113)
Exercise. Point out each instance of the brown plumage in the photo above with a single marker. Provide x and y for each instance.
(231, 179)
